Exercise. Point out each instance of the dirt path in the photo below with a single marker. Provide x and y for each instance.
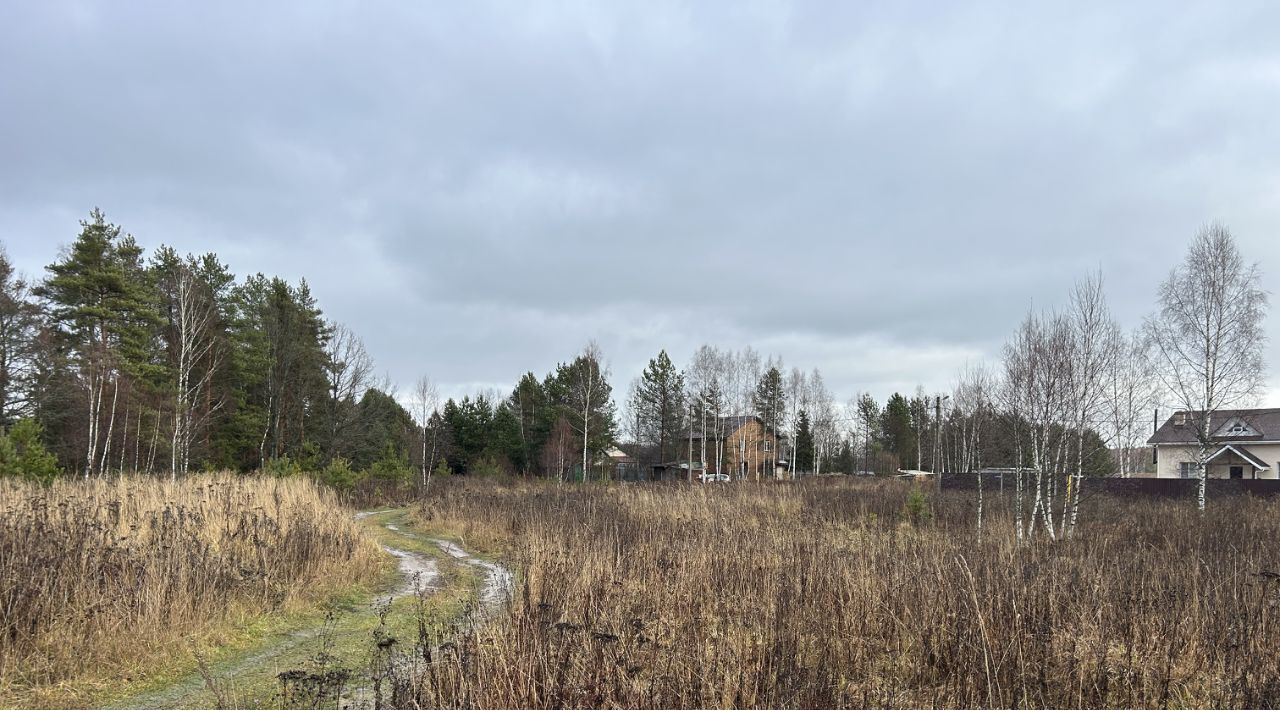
(250, 675)
(498, 585)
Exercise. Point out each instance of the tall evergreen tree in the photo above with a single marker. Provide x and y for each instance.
(534, 414)
(504, 442)
(770, 400)
(191, 291)
(659, 408)
(588, 403)
(899, 431)
(98, 296)
(870, 434)
(388, 431)
(19, 351)
(804, 446)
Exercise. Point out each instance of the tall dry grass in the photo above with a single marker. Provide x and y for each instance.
(99, 578)
(825, 595)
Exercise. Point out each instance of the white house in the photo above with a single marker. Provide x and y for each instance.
(1246, 444)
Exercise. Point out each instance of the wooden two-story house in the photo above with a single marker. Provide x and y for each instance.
(742, 447)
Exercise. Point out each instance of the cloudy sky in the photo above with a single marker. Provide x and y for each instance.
(879, 190)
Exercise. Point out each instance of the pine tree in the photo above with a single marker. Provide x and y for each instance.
(99, 296)
(504, 442)
(587, 403)
(534, 418)
(19, 330)
(770, 399)
(899, 431)
(659, 407)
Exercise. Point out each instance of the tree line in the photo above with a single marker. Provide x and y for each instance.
(117, 361)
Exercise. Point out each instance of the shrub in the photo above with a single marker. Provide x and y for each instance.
(22, 454)
(282, 467)
(916, 509)
(487, 467)
(391, 467)
(442, 470)
(339, 475)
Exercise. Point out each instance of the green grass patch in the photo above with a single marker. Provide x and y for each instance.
(244, 661)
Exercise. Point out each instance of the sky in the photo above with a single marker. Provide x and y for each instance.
(878, 190)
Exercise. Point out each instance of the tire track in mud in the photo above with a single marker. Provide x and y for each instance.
(419, 573)
(495, 591)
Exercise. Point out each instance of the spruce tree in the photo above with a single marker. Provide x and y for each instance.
(804, 451)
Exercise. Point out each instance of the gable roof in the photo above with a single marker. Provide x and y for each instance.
(727, 426)
(1264, 422)
(1243, 453)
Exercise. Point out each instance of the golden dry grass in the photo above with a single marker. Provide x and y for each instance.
(822, 595)
(100, 581)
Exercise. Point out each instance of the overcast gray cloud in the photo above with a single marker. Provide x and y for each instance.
(878, 190)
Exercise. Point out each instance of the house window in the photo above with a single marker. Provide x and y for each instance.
(1238, 430)
(1187, 469)
(768, 446)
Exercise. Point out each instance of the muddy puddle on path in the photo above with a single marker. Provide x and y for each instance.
(249, 677)
(420, 573)
(495, 591)
(498, 584)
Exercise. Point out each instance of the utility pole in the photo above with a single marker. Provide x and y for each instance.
(937, 435)
(691, 444)
(937, 430)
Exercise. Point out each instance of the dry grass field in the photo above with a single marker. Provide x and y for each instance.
(837, 594)
(105, 581)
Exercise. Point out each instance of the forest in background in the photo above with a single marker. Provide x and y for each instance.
(122, 361)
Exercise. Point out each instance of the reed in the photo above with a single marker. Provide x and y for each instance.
(101, 580)
(834, 594)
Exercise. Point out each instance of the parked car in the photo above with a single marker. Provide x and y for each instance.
(710, 477)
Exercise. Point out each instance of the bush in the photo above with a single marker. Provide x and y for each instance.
(916, 509)
(339, 475)
(22, 454)
(391, 467)
(487, 467)
(442, 470)
(282, 467)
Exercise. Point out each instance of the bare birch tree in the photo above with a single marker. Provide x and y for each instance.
(971, 406)
(797, 397)
(426, 401)
(1095, 340)
(1130, 396)
(198, 358)
(350, 373)
(590, 402)
(1036, 392)
(826, 434)
(1207, 337)
(705, 381)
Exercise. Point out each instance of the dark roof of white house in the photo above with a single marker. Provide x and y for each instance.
(1262, 425)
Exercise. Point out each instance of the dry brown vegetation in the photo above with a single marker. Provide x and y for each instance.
(101, 579)
(845, 594)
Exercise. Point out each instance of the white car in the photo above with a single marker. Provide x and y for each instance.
(709, 477)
